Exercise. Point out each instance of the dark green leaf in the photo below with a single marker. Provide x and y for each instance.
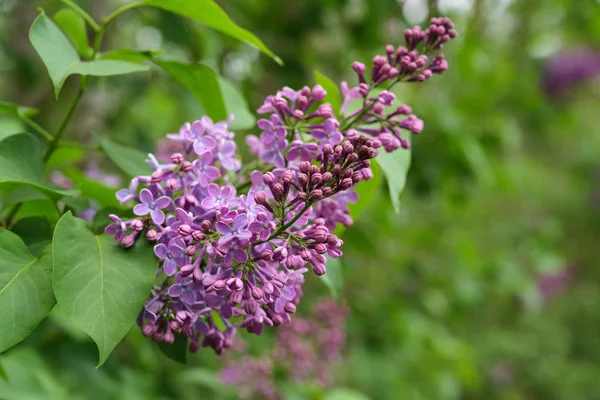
(73, 25)
(333, 277)
(21, 164)
(61, 58)
(132, 55)
(36, 232)
(3, 374)
(25, 289)
(202, 82)
(99, 286)
(236, 104)
(178, 351)
(333, 92)
(395, 168)
(209, 13)
(63, 157)
(131, 161)
(101, 194)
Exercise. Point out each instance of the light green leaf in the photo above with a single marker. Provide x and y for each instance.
(333, 277)
(98, 285)
(333, 92)
(132, 55)
(63, 157)
(131, 161)
(395, 168)
(36, 232)
(61, 58)
(236, 104)
(178, 351)
(21, 164)
(202, 82)
(73, 25)
(210, 14)
(10, 125)
(17, 110)
(25, 289)
(101, 194)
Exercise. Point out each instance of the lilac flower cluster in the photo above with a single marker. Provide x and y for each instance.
(306, 350)
(234, 244)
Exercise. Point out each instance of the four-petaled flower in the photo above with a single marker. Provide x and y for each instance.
(218, 197)
(196, 135)
(124, 195)
(237, 230)
(204, 169)
(272, 129)
(306, 151)
(153, 207)
(273, 153)
(117, 229)
(263, 226)
(172, 255)
(329, 134)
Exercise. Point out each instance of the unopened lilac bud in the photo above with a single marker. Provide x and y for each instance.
(137, 225)
(177, 158)
(327, 176)
(287, 176)
(302, 179)
(172, 184)
(298, 114)
(302, 197)
(319, 269)
(321, 248)
(278, 190)
(257, 292)
(314, 169)
(363, 89)
(236, 297)
(356, 177)
(290, 307)
(327, 191)
(185, 230)
(191, 250)
(304, 167)
(316, 194)
(169, 338)
(219, 285)
(205, 225)
(336, 170)
(151, 235)
(157, 176)
(302, 101)
(198, 236)
(186, 166)
(318, 93)
(327, 149)
(128, 241)
(148, 330)
(358, 67)
(392, 73)
(174, 324)
(266, 254)
(316, 179)
(346, 183)
(187, 270)
(269, 178)
(347, 147)
(157, 336)
(268, 288)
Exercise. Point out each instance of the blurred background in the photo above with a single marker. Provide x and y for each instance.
(487, 284)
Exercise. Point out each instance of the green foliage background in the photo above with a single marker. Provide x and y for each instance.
(444, 299)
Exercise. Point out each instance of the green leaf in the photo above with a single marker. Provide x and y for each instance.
(3, 374)
(63, 157)
(333, 92)
(202, 82)
(132, 55)
(333, 277)
(61, 58)
(366, 190)
(395, 168)
(210, 14)
(36, 232)
(98, 285)
(345, 394)
(131, 161)
(73, 25)
(178, 351)
(236, 104)
(17, 110)
(9, 126)
(101, 219)
(101, 194)
(25, 289)
(21, 164)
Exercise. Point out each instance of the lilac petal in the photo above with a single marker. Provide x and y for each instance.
(208, 142)
(124, 195)
(213, 190)
(213, 300)
(197, 128)
(293, 153)
(226, 311)
(161, 251)
(264, 235)
(188, 297)
(206, 158)
(202, 179)
(141, 209)
(278, 160)
(288, 293)
(222, 228)
(212, 172)
(240, 222)
(228, 163)
(263, 124)
(146, 197)
(175, 290)
(208, 202)
(162, 202)
(244, 234)
(228, 237)
(279, 304)
(240, 256)
(157, 216)
(170, 267)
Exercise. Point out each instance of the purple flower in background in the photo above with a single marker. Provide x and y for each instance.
(386, 98)
(173, 255)
(153, 207)
(227, 154)
(272, 129)
(328, 134)
(218, 197)
(304, 151)
(263, 226)
(273, 153)
(204, 169)
(568, 68)
(125, 195)
(349, 95)
(200, 141)
(238, 230)
(118, 228)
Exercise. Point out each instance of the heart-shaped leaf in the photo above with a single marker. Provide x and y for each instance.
(395, 168)
(209, 13)
(98, 285)
(36, 232)
(25, 289)
(131, 161)
(73, 25)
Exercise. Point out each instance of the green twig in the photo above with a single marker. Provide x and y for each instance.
(85, 15)
(63, 125)
(47, 135)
